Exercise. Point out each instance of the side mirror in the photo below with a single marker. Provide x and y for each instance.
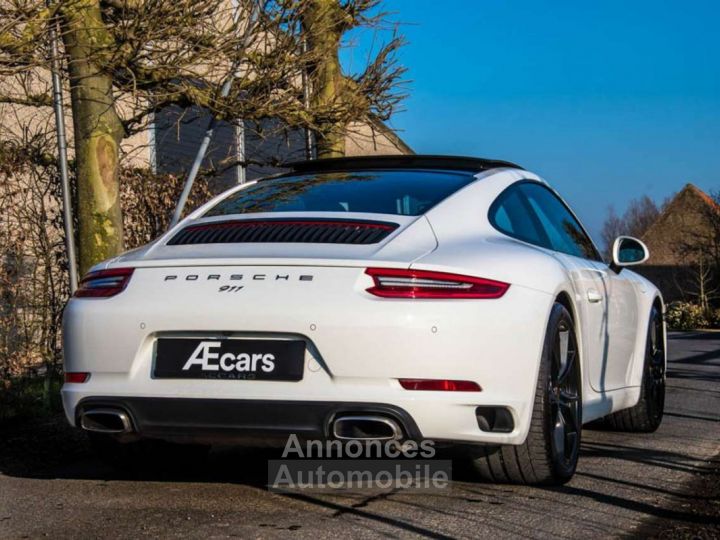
(628, 251)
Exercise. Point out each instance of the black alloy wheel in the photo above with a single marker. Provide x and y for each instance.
(564, 397)
(646, 416)
(654, 379)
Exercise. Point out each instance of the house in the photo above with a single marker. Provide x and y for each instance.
(172, 140)
(683, 244)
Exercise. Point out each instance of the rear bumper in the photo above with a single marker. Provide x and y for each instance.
(227, 421)
(357, 348)
(439, 416)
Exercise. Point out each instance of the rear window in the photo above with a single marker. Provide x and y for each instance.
(405, 193)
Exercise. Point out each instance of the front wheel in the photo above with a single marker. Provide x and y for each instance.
(646, 416)
(549, 455)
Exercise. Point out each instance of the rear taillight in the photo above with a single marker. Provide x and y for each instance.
(402, 283)
(76, 377)
(440, 385)
(104, 283)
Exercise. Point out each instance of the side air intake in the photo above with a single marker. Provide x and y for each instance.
(285, 230)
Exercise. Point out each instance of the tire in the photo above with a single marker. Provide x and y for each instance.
(646, 416)
(549, 455)
(147, 455)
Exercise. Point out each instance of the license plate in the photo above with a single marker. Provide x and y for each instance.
(243, 359)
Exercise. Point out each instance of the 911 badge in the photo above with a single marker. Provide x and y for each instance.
(233, 286)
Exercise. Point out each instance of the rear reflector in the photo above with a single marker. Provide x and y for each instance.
(77, 377)
(442, 385)
(403, 283)
(104, 283)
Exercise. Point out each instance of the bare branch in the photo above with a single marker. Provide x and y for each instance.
(28, 100)
(125, 5)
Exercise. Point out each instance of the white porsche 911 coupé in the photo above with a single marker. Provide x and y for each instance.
(392, 297)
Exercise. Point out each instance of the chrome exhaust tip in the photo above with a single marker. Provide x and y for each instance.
(366, 428)
(105, 421)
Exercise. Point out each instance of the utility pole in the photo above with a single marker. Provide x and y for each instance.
(202, 150)
(62, 156)
(309, 149)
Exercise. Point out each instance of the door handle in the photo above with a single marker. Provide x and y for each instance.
(593, 296)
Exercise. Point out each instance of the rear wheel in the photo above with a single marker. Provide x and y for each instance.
(550, 452)
(646, 416)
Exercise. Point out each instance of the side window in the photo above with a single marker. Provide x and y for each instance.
(512, 215)
(564, 232)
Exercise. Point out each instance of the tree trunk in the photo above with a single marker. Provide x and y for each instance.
(324, 26)
(98, 132)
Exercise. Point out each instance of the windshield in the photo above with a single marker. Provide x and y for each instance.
(405, 193)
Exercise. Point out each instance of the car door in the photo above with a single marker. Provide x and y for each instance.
(529, 211)
(604, 301)
(622, 323)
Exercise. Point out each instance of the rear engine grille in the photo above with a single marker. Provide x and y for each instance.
(285, 230)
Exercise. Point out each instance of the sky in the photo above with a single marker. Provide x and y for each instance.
(607, 100)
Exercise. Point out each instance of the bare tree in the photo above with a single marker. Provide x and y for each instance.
(700, 248)
(711, 214)
(639, 215)
(127, 59)
(613, 227)
(335, 95)
(33, 284)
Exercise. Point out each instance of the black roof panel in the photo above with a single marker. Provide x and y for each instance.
(414, 161)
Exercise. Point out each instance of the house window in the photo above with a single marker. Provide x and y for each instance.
(177, 133)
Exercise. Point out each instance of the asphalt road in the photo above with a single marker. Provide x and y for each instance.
(661, 484)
